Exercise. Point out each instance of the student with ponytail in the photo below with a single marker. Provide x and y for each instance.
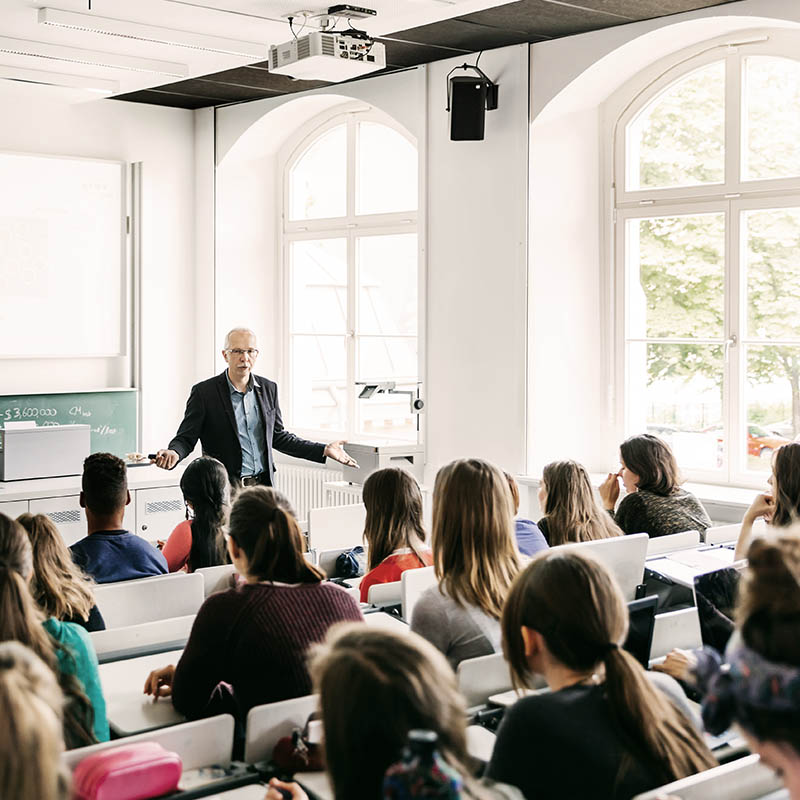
(255, 637)
(58, 586)
(63, 646)
(199, 542)
(31, 741)
(604, 730)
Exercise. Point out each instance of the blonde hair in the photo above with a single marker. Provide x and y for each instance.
(394, 514)
(376, 685)
(31, 742)
(578, 608)
(571, 509)
(475, 554)
(59, 587)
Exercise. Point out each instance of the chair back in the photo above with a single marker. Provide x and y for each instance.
(213, 575)
(336, 526)
(479, 678)
(413, 582)
(659, 545)
(268, 723)
(676, 629)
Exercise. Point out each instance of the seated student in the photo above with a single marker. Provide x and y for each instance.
(255, 637)
(655, 503)
(757, 684)
(604, 730)
(60, 589)
(63, 646)
(571, 510)
(109, 553)
(199, 542)
(781, 507)
(375, 686)
(393, 529)
(31, 741)
(530, 539)
(475, 557)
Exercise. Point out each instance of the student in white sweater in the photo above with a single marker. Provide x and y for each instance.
(475, 557)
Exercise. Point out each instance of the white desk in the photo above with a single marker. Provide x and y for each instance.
(380, 619)
(256, 791)
(129, 710)
(683, 566)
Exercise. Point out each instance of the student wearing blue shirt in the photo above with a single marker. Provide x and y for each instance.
(110, 553)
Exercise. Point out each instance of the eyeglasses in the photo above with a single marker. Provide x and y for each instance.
(236, 351)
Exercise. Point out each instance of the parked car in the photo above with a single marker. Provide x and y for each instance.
(760, 442)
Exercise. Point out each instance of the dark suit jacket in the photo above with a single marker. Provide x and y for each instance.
(209, 417)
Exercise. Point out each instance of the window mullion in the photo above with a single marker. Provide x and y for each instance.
(732, 383)
(733, 126)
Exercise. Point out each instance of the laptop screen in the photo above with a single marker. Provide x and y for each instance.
(641, 621)
(715, 595)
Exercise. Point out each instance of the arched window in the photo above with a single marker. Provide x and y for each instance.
(707, 187)
(351, 274)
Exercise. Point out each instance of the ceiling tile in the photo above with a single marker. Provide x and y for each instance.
(410, 54)
(465, 34)
(646, 9)
(158, 97)
(260, 78)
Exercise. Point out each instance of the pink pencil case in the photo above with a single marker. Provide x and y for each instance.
(130, 772)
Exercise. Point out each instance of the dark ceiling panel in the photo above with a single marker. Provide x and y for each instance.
(512, 23)
(465, 34)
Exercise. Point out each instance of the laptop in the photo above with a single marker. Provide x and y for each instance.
(715, 596)
(641, 622)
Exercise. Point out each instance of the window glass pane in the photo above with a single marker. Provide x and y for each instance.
(387, 170)
(387, 284)
(772, 264)
(771, 118)
(387, 415)
(319, 367)
(318, 179)
(676, 393)
(676, 269)
(678, 139)
(319, 286)
(772, 399)
(384, 358)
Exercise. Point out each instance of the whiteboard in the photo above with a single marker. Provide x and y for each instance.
(62, 257)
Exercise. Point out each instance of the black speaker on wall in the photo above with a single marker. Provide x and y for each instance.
(468, 100)
(467, 109)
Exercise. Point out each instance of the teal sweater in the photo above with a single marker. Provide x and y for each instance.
(76, 656)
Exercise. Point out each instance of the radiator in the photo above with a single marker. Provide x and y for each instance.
(303, 487)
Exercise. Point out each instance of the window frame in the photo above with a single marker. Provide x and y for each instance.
(351, 227)
(733, 197)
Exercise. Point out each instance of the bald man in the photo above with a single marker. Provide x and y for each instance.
(237, 419)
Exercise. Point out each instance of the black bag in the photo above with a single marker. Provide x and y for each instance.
(351, 563)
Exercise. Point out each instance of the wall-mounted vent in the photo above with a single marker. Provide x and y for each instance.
(163, 506)
(64, 517)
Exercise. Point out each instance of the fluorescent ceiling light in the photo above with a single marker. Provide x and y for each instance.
(150, 33)
(99, 85)
(93, 58)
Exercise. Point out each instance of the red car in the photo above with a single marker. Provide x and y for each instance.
(760, 442)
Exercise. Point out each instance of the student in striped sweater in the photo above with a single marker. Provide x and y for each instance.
(248, 645)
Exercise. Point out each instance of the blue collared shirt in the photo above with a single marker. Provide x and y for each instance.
(249, 426)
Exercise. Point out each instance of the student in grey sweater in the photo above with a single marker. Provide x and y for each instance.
(475, 557)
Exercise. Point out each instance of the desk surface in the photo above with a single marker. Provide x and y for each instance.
(255, 791)
(151, 477)
(381, 619)
(684, 565)
(129, 710)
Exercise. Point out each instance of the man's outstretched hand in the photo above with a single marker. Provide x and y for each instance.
(336, 451)
(166, 459)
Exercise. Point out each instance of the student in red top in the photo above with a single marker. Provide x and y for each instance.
(199, 542)
(393, 531)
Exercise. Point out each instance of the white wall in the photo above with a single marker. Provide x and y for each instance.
(474, 245)
(50, 120)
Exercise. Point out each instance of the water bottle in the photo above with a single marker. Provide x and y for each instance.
(422, 772)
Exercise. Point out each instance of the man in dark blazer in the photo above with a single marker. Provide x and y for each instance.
(237, 419)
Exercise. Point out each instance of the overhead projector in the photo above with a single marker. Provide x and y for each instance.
(327, 56)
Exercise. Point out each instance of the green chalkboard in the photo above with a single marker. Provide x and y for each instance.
(112, 415)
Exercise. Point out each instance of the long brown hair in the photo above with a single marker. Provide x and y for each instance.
(31, 741)
(571, 508)
(786, 488)
(394, 514)
(263, 525)
(205, 485)
(475, 554)
(21, 621)
(58, 586)
(375, 686)
(653, 461)
(578, 608)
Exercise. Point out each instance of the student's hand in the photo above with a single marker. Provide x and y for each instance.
(278, 790)
(336, 451)
(679, 664)
(159, 682)
(762, 506)
(166, 459)
(160, 543)
(609, 490)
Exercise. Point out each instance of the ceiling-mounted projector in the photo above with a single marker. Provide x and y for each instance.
(327, 56)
